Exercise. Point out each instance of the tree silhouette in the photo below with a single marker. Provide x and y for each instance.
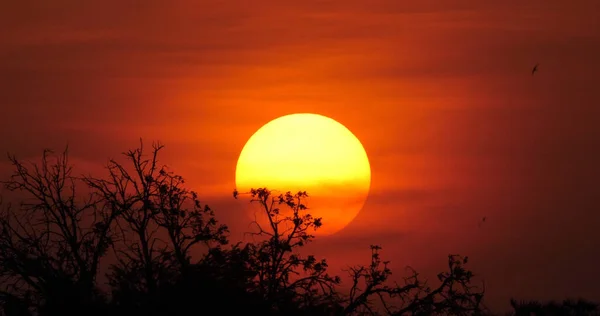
(167, 254)
(52, 242)
(51, 246)
(158, 224)
(454, 296)
(314, 289)
(284, 277)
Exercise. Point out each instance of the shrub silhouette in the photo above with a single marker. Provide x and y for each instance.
(566, 308)
(141, 222)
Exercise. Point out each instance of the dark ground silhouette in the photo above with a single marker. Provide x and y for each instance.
(142, 221)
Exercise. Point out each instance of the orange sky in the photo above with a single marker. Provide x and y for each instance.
(439, 93)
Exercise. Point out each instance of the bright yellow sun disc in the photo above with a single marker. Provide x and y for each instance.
(313, 153)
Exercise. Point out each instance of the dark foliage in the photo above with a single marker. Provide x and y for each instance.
(566, 308)
(143, 224)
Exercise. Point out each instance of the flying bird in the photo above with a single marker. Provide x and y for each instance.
(535, 68)
(482, 221)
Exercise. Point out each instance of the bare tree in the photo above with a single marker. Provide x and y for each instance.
(52, 242)
(454, 296)
(159, 223)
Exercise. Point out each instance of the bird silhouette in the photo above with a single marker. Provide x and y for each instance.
(482, 221)
(535, 68)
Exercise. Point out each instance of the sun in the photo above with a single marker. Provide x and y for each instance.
(313, 153)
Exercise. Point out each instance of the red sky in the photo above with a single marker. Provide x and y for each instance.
(439, 92)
